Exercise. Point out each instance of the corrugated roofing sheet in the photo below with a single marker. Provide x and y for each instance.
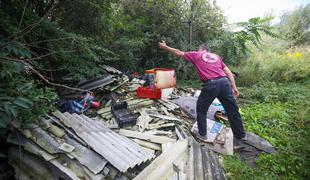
(120, 151)
(111, 69)
(96, 83)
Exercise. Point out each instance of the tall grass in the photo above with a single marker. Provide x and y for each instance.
(274, 66)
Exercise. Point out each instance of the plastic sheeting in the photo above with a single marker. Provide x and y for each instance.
(188, 104)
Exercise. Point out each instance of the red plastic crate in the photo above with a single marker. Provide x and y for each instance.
(144, 92)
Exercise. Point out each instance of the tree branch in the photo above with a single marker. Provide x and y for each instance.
(42, 77)
(21, 19)
(28, 29)
(50, 40)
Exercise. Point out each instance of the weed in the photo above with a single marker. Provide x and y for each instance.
(276, 92)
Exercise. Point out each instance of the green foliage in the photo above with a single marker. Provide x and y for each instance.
(283, 119)
(21, 99)
(138, 26)
(270, 65)
(295, 26)
(89, 18)
(233, 45)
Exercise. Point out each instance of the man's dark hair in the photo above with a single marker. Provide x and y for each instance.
(204, 47)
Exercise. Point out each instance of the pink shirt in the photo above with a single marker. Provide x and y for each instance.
(208, 65)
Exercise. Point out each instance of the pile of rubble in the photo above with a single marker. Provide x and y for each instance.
(128, 137)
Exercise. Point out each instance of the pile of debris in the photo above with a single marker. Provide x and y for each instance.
(128, 137)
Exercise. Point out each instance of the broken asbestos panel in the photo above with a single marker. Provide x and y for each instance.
(212, 167)
(65, 168)
(87, 157)
(44, 140)
(96, 83)
(111, 69)
(147, 144)
(119, 151)
(56, 131)
(143, 120)
(164, 162)
(164, 117)
(28, 145)
(146, 136)
(202, 163)
(259, 143)
(28, 166)
(66, 147)
(171, 106)
(160, 125)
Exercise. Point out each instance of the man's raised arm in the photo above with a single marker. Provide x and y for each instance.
(171, 50)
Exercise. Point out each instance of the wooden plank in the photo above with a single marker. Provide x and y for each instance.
(145, 136)
(164, 117)
(159, 132)
(171, 106)
(139, 101)
(104, 110)
(142, 104)
(165, 110)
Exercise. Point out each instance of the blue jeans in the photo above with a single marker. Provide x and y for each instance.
(221, 89)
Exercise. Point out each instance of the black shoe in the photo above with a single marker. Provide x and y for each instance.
(245, 138)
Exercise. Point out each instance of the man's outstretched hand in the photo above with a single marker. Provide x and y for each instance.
(176, 52)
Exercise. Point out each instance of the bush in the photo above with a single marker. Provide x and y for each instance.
(280, 67)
